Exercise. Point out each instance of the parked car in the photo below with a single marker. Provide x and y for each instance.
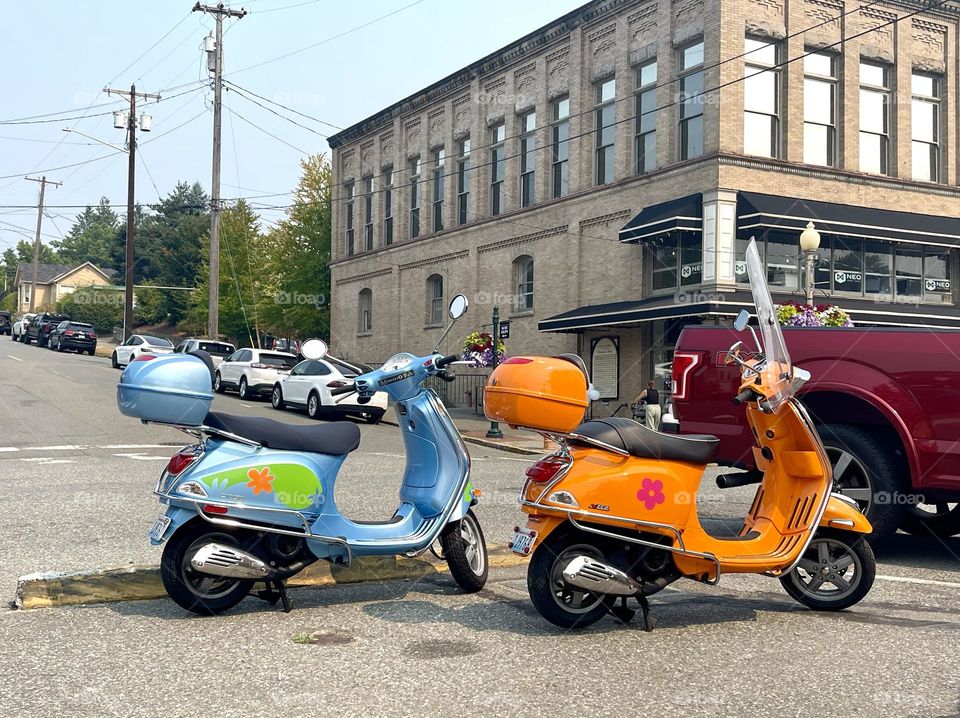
(139, 344)
(252, 372)
(884, 402)
(20, 326)
(5, 323)
(217, 350)
(308, 387)
(40, 327)
(77, 336)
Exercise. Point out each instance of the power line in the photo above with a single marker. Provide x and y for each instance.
(279, 104)
(274, 112)
(266, 132)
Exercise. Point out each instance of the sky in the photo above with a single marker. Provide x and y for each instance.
(59, 55)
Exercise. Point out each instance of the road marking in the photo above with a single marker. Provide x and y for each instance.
(14, 358)
(44, 460)
(8, 448)
(143, 457)
(920, 581)
(136, 446)
(61, 447)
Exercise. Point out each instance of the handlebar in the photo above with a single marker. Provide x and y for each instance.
(348, 389)
(745, 395)
(444, 361)
(729, 481)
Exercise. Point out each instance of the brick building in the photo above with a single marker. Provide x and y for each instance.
(599, 180)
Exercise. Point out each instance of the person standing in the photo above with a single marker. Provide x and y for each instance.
(651, 396)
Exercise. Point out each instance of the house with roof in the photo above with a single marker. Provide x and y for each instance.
(55, 281)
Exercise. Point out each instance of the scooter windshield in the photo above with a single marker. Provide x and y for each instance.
(778, 371)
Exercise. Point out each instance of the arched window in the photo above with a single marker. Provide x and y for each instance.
(434, 299)
(366, 311)
(523, 275)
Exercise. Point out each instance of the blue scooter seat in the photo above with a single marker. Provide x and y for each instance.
(338, 437)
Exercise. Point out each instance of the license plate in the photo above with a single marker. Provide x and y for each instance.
(522, 541)
(160, 527)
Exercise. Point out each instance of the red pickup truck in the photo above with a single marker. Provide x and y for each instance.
(886, 403)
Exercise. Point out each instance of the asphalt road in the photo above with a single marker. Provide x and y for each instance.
(75, 492)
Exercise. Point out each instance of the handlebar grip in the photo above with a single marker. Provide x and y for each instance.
(348, 389)
(444, 361)
(729, 481)
(745, 395)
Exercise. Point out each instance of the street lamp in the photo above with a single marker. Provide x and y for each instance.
(810, 243)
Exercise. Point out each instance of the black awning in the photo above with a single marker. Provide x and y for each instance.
(685, 213)
(759, 212)
(863, 312)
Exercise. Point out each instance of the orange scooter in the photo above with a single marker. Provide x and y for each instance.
(612, 514)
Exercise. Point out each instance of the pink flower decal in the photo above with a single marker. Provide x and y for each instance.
(651, 494)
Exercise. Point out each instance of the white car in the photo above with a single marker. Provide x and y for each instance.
(252, 372)
(308, 386)
(139, 344)
(218, 351)
(20, 327)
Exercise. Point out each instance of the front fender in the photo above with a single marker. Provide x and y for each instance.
(841, 515)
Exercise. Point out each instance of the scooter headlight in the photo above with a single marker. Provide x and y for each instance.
(192, 488)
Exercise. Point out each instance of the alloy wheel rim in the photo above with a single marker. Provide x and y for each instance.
(312, 406)
(276, 398)
(850, 477)
(570, 598)
(473, 548)
(827, 562)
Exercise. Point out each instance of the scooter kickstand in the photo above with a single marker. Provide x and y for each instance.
(275, 592)
(645, 608)
(284, 598)
(621, 612)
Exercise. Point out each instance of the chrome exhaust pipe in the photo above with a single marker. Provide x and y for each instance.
(230, 562)
(598, 577)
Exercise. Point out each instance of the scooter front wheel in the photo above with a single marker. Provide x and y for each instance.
(557, 601)
(836, 571)
(192, 590)
(465, 551)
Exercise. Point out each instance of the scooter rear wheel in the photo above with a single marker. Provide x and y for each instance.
(465, 551)
(192, 590)
(557, 601)
(836, 571)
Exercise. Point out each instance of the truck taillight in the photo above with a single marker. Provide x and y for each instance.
(683, 365)
(546, 469)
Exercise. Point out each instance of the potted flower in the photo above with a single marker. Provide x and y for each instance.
(794, 314)
(478, 349)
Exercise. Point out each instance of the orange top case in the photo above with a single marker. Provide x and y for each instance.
(545, 393)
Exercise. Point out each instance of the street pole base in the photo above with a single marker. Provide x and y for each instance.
(494, 431)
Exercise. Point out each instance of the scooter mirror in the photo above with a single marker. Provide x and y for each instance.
(314, 349)
(743, 318)
(458, 306)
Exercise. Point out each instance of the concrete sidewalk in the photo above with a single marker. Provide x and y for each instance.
(474, 429)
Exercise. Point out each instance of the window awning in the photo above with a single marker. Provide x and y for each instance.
(758, 212)
(685, 213)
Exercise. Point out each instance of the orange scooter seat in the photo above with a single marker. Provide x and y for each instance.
(637, 440)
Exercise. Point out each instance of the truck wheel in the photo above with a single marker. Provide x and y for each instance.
(939, 519)
(865, 470)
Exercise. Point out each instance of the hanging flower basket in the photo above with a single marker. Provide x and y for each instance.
(795, 314)
(478, 349)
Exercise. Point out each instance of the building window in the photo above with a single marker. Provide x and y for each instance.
(368, 214)
(350, 238)
(366, 311)
(761, 99)
(388, 206)
(604, 130)
(560, 140)
(926, 127)
(875, 101)
(820, 109)
(677, 261)
(463, 182)
(645, 140)
(438, 185)
(415, 198)
(435, 300)
(523, 269)
(691, 101)
(528, 149)
(497, 136)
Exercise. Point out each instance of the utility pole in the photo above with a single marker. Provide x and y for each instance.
(494, 431)
(131, 183)
(219, 11)
(36, 242)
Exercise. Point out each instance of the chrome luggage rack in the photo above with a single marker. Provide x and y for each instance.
(573, 514)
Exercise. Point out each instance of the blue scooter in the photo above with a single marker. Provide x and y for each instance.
(253, 500)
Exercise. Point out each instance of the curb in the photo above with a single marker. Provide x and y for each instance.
(140, 583)
(489, 443)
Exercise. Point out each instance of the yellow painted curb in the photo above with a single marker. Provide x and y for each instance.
(138, 583)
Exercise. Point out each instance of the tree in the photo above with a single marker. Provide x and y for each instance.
(92, 238)
(296, 288)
